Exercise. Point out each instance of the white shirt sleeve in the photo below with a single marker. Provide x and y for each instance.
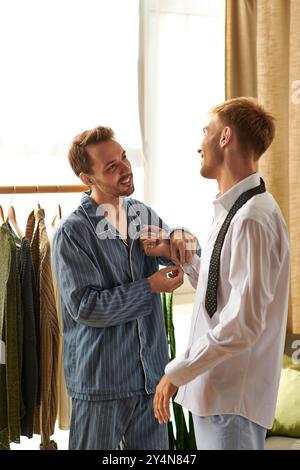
(254, 264)
(192, 269)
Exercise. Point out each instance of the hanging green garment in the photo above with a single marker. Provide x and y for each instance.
(11, 334)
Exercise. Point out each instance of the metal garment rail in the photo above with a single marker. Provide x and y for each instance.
(43, 189)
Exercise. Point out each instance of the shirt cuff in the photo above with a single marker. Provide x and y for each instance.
(184, 229)
(175, 371)
(192, 266)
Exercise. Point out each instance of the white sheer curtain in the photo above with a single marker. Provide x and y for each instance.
(66, 66)
(182, 61)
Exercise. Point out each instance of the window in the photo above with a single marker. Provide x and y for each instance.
(66, 66)
(69, 65)
(184, 44)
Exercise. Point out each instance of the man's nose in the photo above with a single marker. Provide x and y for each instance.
(125, 165)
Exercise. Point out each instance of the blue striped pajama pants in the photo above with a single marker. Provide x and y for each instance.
(106, 424)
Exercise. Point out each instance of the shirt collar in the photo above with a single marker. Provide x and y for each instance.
(96, 217)
(90, 208)
(228, 199)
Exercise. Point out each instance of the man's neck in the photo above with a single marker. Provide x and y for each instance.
(114, 209)
(230, 177)
(101, 198)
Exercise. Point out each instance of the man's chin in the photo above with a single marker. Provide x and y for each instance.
(203, 172)
(127, 192)
(206, 172)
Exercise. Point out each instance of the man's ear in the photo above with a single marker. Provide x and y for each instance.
(226, 136)
(87, 180)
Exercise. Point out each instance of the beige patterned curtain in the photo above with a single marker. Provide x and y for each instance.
(263, 60)
(240, 51)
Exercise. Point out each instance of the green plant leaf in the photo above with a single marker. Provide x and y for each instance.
(184, 436)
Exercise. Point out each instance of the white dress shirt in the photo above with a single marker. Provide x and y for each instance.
(233, 362)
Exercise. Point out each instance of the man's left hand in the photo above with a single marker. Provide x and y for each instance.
(161, 404)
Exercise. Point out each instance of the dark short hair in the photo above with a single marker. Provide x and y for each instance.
(78, 156)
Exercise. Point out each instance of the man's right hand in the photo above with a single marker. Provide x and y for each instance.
(166, 280)
(155, 241)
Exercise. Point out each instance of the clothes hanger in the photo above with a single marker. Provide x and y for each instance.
(37, 208)
(2, 219)
(57, 217)
(58, 214)
(11, 217)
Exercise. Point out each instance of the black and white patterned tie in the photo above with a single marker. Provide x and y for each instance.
(214, 265)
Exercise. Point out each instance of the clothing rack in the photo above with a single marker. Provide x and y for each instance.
(43, 189)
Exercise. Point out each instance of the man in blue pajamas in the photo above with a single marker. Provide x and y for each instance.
(115, 347)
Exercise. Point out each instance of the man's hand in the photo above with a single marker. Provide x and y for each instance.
(161, 403)
(182, 246)
(166, 280)
(155, 241)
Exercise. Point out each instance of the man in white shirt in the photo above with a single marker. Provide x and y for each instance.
(229, 375)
